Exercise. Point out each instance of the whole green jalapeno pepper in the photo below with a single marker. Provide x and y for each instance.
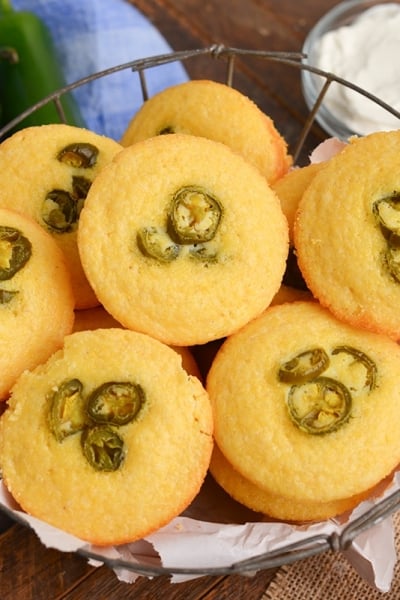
(29, 71)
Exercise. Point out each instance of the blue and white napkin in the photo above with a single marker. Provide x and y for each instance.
(93, 35)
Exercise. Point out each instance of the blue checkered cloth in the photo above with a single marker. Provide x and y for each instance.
(93, 35)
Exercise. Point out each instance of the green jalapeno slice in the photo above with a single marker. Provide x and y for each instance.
(7, 295)
(392, 261)
(319, 406)
(79, 155)
(195, 215)
(80, 186)
(366, 361)
(206, 252)
(67, 412)
(15, 251)
(387, 212)
(166, 130)
(116, 403)
(156, 243)
(103, 448)
(304, 366)
(60, 211)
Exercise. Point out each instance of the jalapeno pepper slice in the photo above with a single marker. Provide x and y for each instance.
(156, 243)
(115, 402)
(366, 361)
(195, 215)
(304, 366)
(79, 155)
(60, 211)
(67, 413)
(7, 295)
(387, 212)
(103, 448)
(319, 406)
(15, 251)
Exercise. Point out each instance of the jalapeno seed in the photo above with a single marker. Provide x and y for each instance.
(79, 155)
(304, 366)
(103, 448)
(156, 243)
(67, 411)
(366, 361)
(319, 406)
(195, 215)
(116, 403)
(15, 251)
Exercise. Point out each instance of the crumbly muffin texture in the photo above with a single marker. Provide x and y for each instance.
(314, 414)
(158, 458)
(182, 239)
(36, 297)
(49, 171)
(218, 112)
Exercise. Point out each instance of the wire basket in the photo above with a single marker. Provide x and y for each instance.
(315, 544)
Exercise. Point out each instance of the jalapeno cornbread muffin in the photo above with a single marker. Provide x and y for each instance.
(347, 233)
(182, 239)
(36, 299)
(218, 112)
(47, 171)
(314, 414)
(119, 437)
(278, 507)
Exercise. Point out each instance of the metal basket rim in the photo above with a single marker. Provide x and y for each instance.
(314, 544)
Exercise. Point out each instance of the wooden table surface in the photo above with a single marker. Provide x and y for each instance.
(27, 569)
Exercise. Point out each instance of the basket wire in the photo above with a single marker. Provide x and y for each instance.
(314, 544)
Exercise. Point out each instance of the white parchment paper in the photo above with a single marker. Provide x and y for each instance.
(201, 541)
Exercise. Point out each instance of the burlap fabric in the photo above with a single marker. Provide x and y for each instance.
(329, 577)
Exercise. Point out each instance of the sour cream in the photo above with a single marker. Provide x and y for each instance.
(366, 53)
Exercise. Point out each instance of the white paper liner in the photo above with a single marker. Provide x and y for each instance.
(193, 543)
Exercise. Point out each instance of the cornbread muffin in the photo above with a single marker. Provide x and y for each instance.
(98, 318)
(36, 299)
(290, 294)
(182, 239)
(218, 112)
(49, 170)
(314, 415)
(118, 434)
(278, 507)
(347, 234)
(291, 187)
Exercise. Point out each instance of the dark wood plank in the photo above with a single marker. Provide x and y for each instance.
(29, 571)
(256, 25)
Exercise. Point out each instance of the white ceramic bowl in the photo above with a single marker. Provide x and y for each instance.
(344, 112)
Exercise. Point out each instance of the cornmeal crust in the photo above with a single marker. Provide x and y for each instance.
(254, 427)
(187, 300)
(167, 447)
(342, 248)
(218, 112)
(277, 507)
(29, 157)
(36, 308)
